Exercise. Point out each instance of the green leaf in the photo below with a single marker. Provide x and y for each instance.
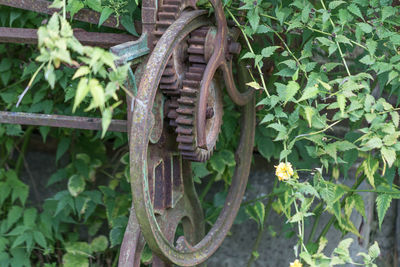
(76, 185)
(341, 100)
(367, 60)
(13, 215)
(353, 8)
(105, 14)
(268, 51)
(267, 118)
(388, 11)
(217, 163)
(74, 6)
(382, 205)
(370, 166)
(62, 147)
(129, 25)
(82, 71)
(97, 92)
(374, 250)
(94, 4)
(309, 113)
(81, 92)
(389, 154)
(30, 216)
(371, 45)
(254, 18)
(278, 127)
(291, 89)
(309, 92)
(57, 4)
(106, 120)
(254, 85)
(99, 244)
(395, 118)
(365, 27)
(248, 55)
(257, 213)
(199, 170)
(335, 4)
(372, 143)
(116, 236)
(40, 239)
(74, 260)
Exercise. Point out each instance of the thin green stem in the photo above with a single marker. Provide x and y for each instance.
(207, 188)
(21, 156)
(337, 43)
(263, 227)
(251, 50)
(318, 212)
(313, 29)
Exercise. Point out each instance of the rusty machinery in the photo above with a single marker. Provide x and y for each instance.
(174, 118)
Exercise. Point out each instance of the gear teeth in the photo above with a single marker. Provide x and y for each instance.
(185, 139)
(188, 92)
(187, 101)
(172, 114)
(197, 59)
(184, 130)
(169, 10)
(196, 49)
(184, 121)
(194, 76)
(168, 79)
(185, 111)
(199, 70)
(189, 97)
(189, 83)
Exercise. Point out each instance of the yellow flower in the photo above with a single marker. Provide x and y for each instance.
(284, 171)
(296, 263)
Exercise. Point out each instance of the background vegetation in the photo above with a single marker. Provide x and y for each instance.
(327, 81)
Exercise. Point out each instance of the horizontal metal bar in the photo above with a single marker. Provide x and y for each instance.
(42, 6)
(29, 36)
(129, 51)
(61, 121)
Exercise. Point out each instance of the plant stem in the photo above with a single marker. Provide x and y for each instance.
(318, 212)
(312, 29)
(337, 43)
(21, 156)
(263, 227)
(207, 188)
(251, 50)
(333, 218)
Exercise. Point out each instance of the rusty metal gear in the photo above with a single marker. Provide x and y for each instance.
(187, 103)
(168, 13)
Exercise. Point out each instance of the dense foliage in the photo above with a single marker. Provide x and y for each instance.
(327, 78)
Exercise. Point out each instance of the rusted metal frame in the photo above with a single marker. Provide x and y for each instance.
(42, 6)
(218, 60)
(129, 51)
(29, 36)
(74, 122)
